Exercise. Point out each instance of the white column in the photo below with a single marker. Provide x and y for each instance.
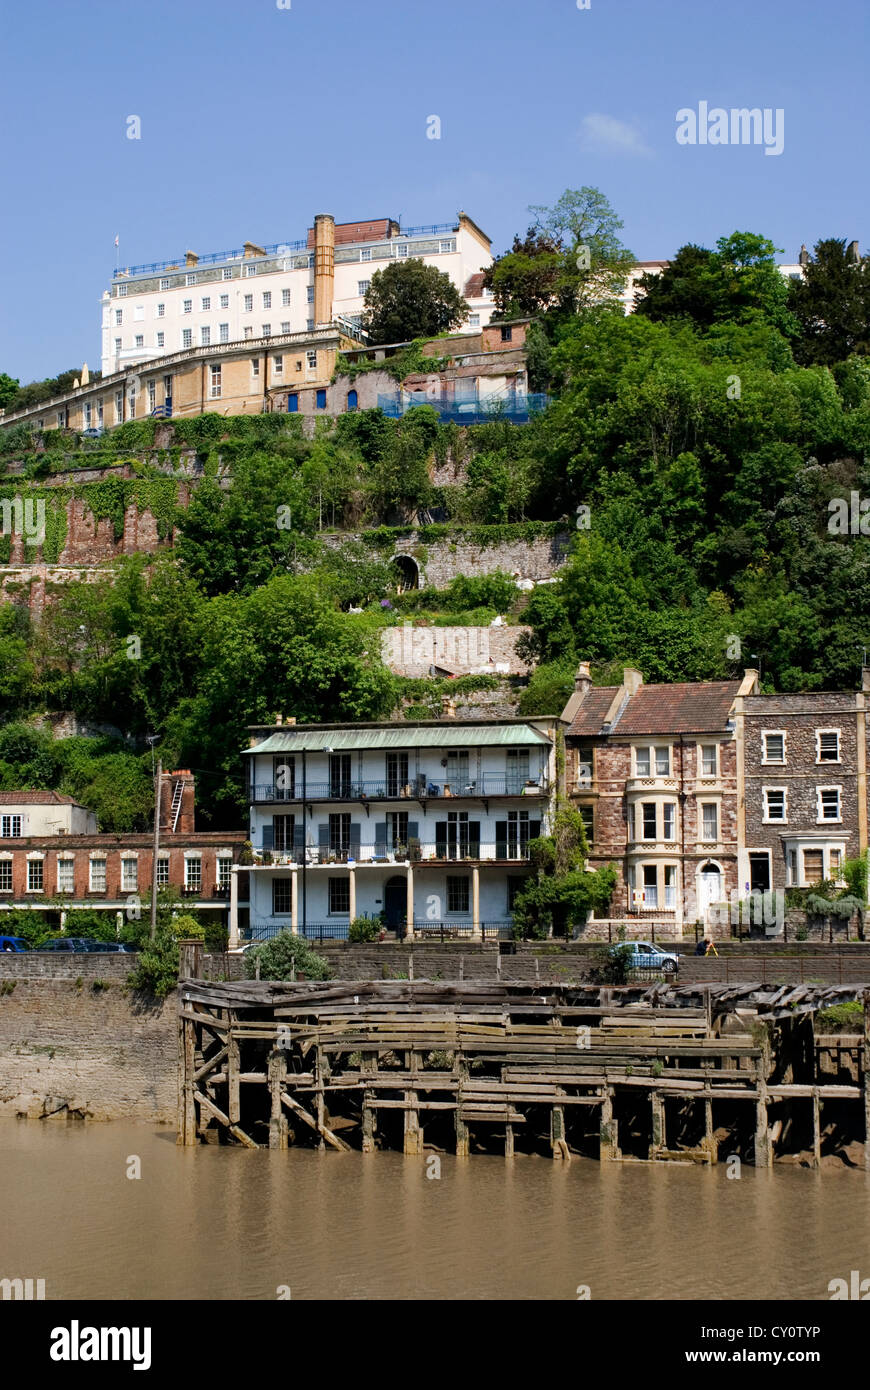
(352, 894)
(409, 905)
(294, 903)
(234, 908)
(476, 933)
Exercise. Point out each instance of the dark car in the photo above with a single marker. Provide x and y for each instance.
(115, 946)
(67, 943)
(13, 943)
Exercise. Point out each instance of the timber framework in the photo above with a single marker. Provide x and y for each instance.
(693, 1073)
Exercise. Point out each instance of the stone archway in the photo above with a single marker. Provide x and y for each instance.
(407, 573)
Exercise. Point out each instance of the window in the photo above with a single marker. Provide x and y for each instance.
(167, 386)
(193, 873)
(5, 875)
(10, 827)
(668, 820)
(709, 821)
(339, 897)
(255, 366)
(152, 394)
(88, 415)
(225, 301)
(206, 302)
(266, 330)
(164, 283)
(285, 325)
(117, 344)
(447, 246)
(650, 886)
(708, 759)
(34, 875)
(205, 336)
(161, 339)
(311, 262)
(162, 871)
(670, 885)
(224, 871)
(827, 745)
(648, 820)
(834, 860)
(61, 419)
(507, 335)
(227, 273)
(311, 361)
(187, 306)
(402, 249)
(457, 894)
(474, 320)
(773, 746)
(187, 337)
(352, 400)
(828, 803)
(397, 830)
(339, 832)
(248, 332)
(140, 340)
(321, 400)
(249, 303)
(224, 332)
(642, 762)
(129, 875)
(119, 405)
(282, 896)
(774, 803)
(249, 270)
(587, 815)
(759, 871)
(663, 762)
(365, 254)
(285, 298)
(190, 279)
(122, 290)
(161, 311)
(278, 364)
(138, 313)
(97, 878)
(310, 294)
(267, 299)
(309, 325)
(283, 828)
(293, 402)
(362, 286)
(66, 875)
(814, 865)
(119, 317)
(215, 381)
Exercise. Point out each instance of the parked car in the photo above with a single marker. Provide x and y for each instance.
(646, 956)
(115, 946)
(13, 943)
(68, 943)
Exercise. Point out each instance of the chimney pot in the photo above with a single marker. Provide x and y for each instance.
(852, 252)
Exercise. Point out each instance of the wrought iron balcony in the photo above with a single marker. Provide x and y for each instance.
(421, 788)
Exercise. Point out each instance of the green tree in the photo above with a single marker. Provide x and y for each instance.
(8, 390)
(832, 305)
(411, 300)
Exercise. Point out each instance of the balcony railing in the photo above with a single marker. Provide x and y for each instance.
(434, 853)
(421, 789)
(267, 928)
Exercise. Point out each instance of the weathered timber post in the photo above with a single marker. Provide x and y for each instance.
(709, 1141)
(509, 1140)
(234, 1096)
(413, 1133)
(461, 1126)
(817, 1129)
(763, 1146)
(608, 1130)
(189, 968)
(658, 1123)
(369, 1114)
(278, 1119)
(558, 1142)
(865, 1078)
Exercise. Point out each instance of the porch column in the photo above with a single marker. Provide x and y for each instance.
(294, 903)
(352, 893)
(234, 908)
(476, 933)
(409, 905)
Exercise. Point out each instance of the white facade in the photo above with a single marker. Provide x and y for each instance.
(20, 816)
(424, 825)
(257, 292)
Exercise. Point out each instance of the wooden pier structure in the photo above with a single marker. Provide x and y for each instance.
(660, 1073)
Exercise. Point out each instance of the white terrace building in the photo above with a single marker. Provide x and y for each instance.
(424, 825)
(256, 292)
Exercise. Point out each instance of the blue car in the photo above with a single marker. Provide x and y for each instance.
(645, 956)
(13, 943)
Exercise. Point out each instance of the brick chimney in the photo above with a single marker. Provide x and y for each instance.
(583, 678)
(180, 787)
(191, 258)
(803, 256)
(324, 267)
(632, 680)
(852, 252)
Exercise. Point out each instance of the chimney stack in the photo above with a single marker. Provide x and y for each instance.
(852, 252)
(191, 258)
(583, 678)
(632, 680)
(178, 802)
(324, 267)
(804, 257)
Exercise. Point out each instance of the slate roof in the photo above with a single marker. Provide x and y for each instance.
(474, 286)
(691, 707)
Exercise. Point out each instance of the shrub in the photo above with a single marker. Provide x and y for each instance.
(286, 956)
(364, 929)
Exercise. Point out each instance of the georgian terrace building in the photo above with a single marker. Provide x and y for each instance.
(52, 855)
(424, 825)
(653, 770)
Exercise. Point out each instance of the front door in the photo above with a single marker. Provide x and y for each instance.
(710, 890)
(395, 902)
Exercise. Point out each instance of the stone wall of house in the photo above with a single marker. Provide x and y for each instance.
(410, 650)
(438, 562)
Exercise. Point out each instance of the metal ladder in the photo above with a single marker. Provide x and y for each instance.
(177, 793)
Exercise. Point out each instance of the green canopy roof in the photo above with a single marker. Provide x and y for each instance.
(301, 739)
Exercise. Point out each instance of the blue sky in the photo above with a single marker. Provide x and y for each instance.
(254, 118)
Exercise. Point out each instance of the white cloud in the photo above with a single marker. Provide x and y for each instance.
(606, 135)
